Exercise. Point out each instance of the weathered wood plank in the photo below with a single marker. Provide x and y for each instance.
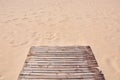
(59, 79)
(57, 49)
(65, 57)
(60, 54)
(59, 59)
(58, 69)
(83, 76)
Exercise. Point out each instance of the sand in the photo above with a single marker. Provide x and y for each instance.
(26, 23)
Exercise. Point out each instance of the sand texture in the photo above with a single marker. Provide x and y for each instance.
(26, 23)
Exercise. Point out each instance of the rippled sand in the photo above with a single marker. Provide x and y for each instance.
(24, 23)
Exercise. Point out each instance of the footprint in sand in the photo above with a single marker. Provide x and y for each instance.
(111, 29)
(30, 21)
(36, 16)
(14, 19)
(41, 23)
(52, 24)
(10, 16)
(64, 19)
(50, 19)
(109, 62)
(23, 43)
(108, 27)
(114, 65)
(19, 24)
(24, 18)
(50, 36)
(35, 36)
(34, 13)
(37, 39)
(2, 77)
(11, 20)
(14, 44)
(17, 43)
(7, 21)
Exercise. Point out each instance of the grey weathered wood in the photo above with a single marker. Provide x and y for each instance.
(60, 63)
(57, 49)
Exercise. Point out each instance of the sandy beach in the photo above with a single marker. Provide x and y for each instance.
(26, 23)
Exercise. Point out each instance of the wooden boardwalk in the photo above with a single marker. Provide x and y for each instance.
(61, 63)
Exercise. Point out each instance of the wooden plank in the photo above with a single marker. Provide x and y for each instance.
(58, 69)
(60, 54)
(66, 66)
(83, 76)
(61, 63)
(57, 57)
(58, 79)
(57, 49)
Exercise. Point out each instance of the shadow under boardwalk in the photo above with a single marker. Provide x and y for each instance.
(61, 63)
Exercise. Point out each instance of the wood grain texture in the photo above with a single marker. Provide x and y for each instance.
(61, 63)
